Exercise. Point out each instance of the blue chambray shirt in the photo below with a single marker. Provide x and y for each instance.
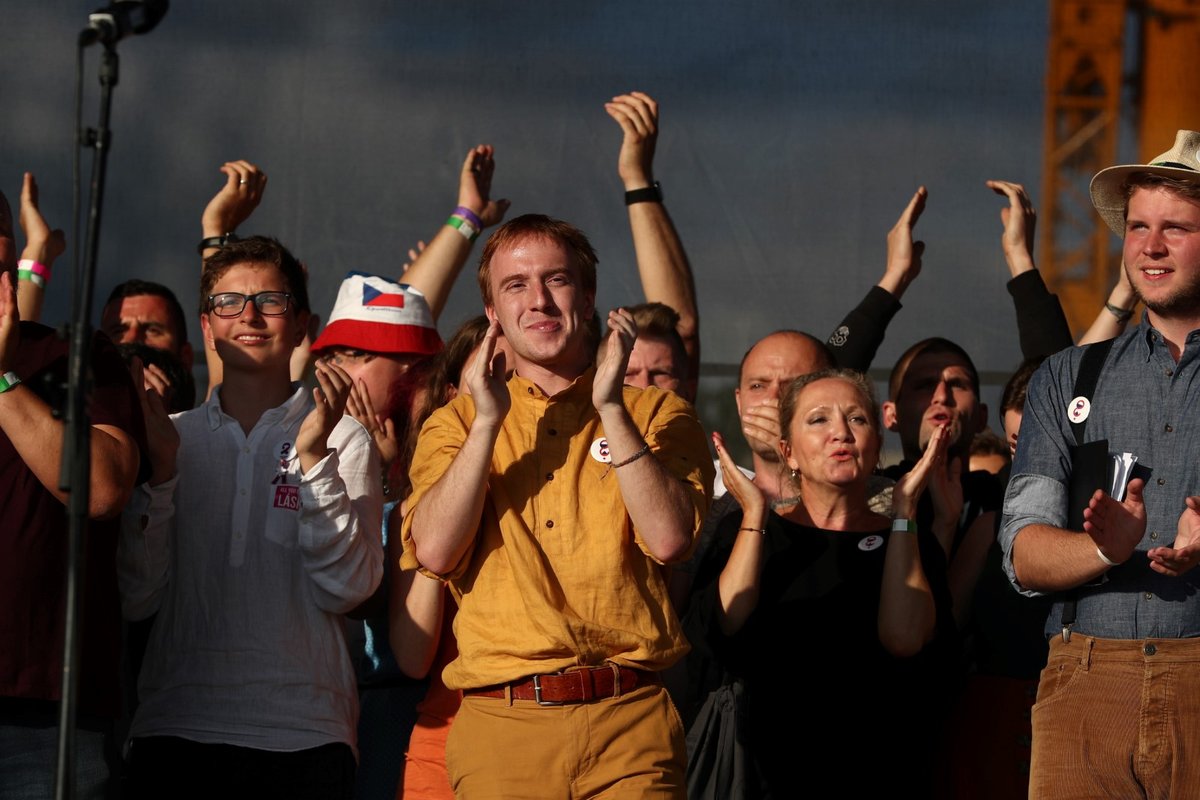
(1144, 404)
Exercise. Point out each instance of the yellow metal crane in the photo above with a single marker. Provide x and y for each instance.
(1114, 66)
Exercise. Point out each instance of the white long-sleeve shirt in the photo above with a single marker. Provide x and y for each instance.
(248, 565)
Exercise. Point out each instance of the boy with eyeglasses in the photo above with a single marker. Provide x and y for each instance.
(259, 528)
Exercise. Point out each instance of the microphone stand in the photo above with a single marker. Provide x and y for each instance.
(75, 472)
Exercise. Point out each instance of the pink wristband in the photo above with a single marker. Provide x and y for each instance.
(36, 267)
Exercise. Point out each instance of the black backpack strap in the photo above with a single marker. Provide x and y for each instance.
(1086, 380)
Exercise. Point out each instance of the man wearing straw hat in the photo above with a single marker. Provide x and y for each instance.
(1118, 711)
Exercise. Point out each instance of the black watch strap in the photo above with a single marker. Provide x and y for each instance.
(651, 194)
(215, 241)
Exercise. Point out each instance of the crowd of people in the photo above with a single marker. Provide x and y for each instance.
(367, 562)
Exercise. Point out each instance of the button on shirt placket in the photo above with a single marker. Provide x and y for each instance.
(551, 452)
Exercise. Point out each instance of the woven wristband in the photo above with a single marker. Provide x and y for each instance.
(645, 449)
(469, 216)
(904, 526)
(1122, 314)
(8, 380)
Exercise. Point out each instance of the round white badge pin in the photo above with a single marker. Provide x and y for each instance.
(599, 451)
(869, 543)
(1078, 409)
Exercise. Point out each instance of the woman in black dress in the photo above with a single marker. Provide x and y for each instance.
(832, 616)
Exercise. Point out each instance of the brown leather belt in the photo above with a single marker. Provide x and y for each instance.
(573, 686)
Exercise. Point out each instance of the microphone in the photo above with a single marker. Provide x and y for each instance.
(122, 18)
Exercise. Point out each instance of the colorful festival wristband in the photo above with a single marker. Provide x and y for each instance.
(469, 216)
(33, 271)
(8, 380)
(469, 231)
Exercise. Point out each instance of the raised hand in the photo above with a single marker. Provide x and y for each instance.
(41, 244)
(413, 254)
(8, 243)
(946, 491)
(329, 398)
(608, 387)
(1116, 528)
(486, 379)
(907, 491)
(10, 319)
(1184, 553)
(475, 186)
(1020, 220)
(903, 254)
(763, 429)
(382, 429)
(162, 438)
(743, 490)
(637, 114)
(236, 200)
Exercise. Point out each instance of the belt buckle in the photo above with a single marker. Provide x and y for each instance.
(537, 694)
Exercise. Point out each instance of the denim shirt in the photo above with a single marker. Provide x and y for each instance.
(1144, 404)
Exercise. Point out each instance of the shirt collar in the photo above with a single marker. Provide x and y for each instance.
(582, 384)
(292, 408)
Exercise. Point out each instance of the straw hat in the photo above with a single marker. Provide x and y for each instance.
(1108, 187)
(382, 316)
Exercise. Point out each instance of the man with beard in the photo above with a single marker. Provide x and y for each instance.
(1117, 712)
(935, 384)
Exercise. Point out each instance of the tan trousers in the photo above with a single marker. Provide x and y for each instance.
(1117, 718)
(629, 746)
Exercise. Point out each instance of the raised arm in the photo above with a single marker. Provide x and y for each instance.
(662, 262)
(226, 211)
(658, 503)
(739, 584)
(144, 549)
(446, 518)
(28, 422)
(907, 611)
(42, 248)
(341, 499)
(434, 270)
(856, 339)
(1115, 315)
(1041, 323)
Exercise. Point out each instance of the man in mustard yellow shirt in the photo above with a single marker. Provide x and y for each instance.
(551, 502)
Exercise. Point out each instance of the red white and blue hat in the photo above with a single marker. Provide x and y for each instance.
(379, 315)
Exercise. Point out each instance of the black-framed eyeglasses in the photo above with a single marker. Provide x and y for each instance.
(232, 304)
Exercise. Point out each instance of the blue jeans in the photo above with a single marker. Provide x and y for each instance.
(29, 752)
